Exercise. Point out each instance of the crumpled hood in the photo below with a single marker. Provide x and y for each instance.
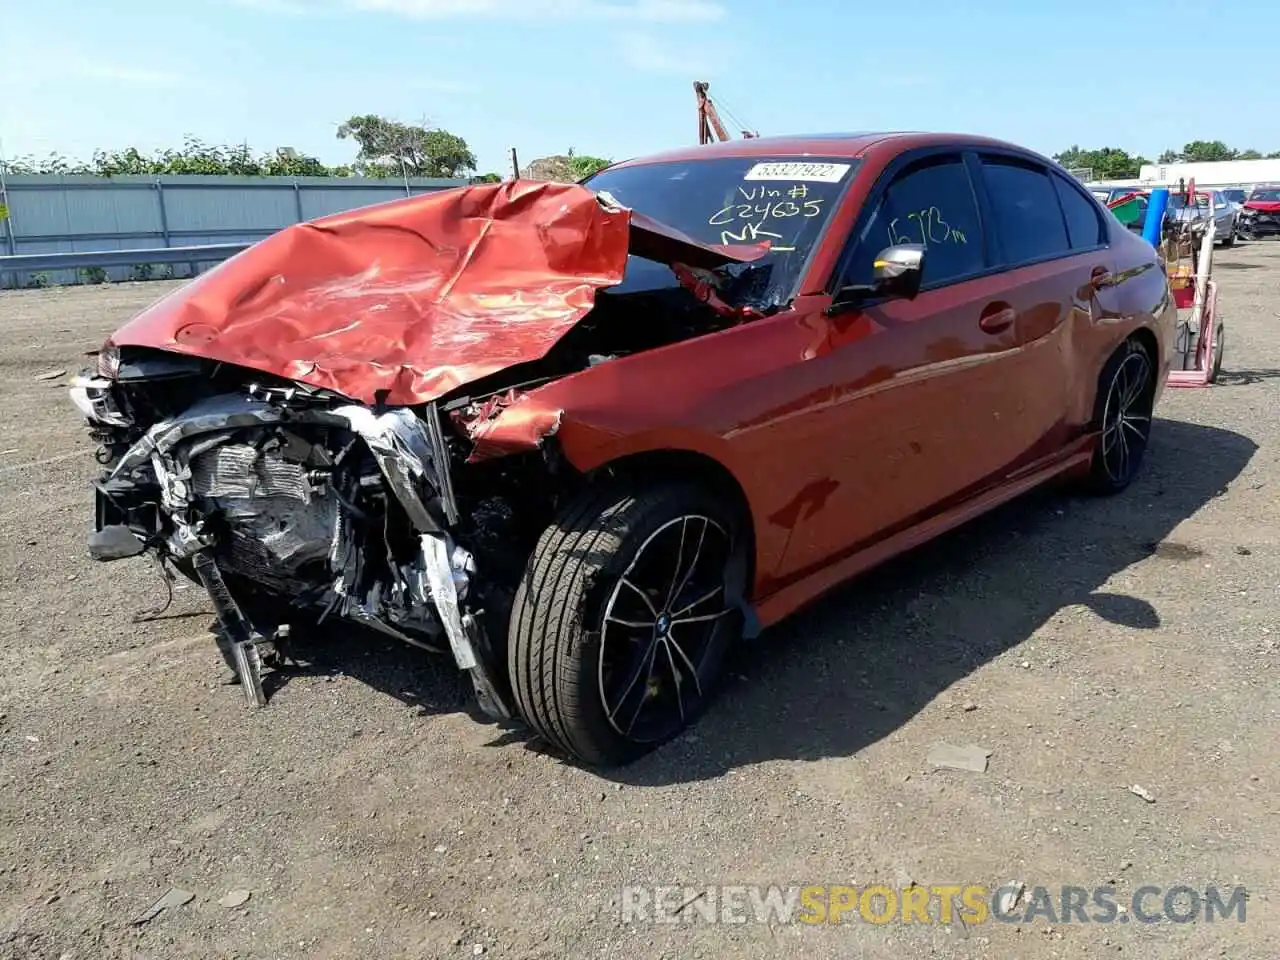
(413, 298)
(1263, 206)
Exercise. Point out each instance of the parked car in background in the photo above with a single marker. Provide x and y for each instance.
(1208, 204)
(1260, 215)
(648, 415)
(1236, 196)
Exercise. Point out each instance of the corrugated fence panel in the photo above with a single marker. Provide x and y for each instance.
(63, 214)
(322, 201)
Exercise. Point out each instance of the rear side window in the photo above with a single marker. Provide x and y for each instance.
(931, 203)
(1084, 226)
(1028, 218)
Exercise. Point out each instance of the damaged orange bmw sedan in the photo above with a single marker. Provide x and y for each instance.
(584, 438)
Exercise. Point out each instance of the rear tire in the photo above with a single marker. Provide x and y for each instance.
(1122, 412)
(623, 618)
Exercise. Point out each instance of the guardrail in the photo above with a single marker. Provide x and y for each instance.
(202, 253)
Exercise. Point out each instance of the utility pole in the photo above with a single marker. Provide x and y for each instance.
(515, 165)
(5, 214)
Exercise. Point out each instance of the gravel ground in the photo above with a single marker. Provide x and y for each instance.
(1089, 645)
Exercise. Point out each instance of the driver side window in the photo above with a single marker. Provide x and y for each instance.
(930, 202)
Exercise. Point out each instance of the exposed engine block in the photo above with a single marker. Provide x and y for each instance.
(279, 525)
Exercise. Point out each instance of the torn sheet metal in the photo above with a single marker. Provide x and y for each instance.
(702, 284)
(410, 299)
(505, 424)
(442, 570)
(402, 447)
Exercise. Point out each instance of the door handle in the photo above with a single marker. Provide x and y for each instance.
(996, 317)
(1100, 277)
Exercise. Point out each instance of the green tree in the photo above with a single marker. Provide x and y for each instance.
(1107, 163)
(389, 148)
(193, 157)
(1207, 151)
(1249, 155)
(582, 166)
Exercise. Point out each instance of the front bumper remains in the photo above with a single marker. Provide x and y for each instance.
(409, 452)
(1259, 225)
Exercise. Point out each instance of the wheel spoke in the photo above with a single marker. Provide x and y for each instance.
(643, 596)
(631, 624)
(1124, 455)
(1133, 389)
(645, 666)
(693, 671)
(710, 594)
(1121, 387)
(704, 618)
(675, 678)
(693, 564)
(1137, 431)
(675, 575)
(644, 696)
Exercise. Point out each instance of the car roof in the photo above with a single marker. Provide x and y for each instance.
(851, 145)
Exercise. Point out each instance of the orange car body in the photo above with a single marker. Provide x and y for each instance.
(852, 434)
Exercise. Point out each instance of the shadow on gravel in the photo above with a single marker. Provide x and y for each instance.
(1240, 378)
(416, 677)
(860, 663)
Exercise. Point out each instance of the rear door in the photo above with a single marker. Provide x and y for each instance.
(1051, 241)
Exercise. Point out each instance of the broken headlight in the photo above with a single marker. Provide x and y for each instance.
(109, 361)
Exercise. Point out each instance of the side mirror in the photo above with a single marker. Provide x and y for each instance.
(895, 275)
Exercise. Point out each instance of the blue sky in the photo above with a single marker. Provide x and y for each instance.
(613, 77)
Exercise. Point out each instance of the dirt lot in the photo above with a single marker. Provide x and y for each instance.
(1089, 645)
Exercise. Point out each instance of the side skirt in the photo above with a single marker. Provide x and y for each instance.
(782, 603)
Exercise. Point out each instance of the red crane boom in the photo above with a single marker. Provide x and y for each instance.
(709, 117)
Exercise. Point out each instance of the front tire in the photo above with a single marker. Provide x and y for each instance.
(1122, 411)
(623, 618)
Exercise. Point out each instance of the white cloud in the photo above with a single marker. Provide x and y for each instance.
(25, 69)
(635, 11)
(647, 54)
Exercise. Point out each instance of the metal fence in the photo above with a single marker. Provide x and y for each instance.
(66, 214)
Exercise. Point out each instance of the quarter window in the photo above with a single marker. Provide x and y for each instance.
(1084, 226)
(1028, 218)
(930, 203)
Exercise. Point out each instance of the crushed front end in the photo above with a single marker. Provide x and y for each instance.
(290, 505)
(1259, 220)
(306, 429)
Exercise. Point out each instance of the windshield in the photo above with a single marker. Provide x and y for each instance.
(1235, 196)
(737, 200)
(1178, 202)
(1265, 195)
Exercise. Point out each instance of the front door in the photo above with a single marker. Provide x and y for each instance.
(927, 392)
